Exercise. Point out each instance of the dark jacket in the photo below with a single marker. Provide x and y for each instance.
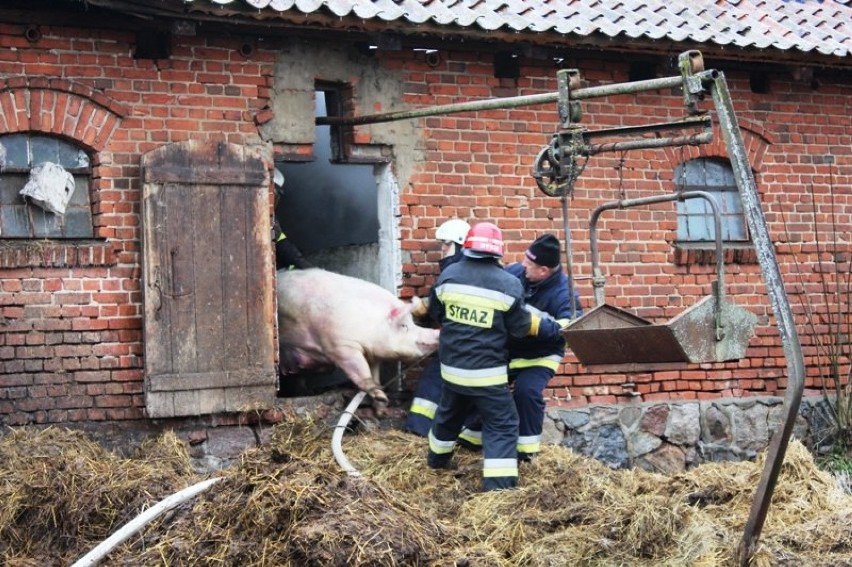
(427, 319)
(287, 255)
(550, 299)
(450, 260)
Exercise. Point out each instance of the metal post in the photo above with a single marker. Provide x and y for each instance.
(780, 306)
(566, 80)
(569, 257)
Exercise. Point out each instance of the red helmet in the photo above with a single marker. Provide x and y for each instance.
(485, 238)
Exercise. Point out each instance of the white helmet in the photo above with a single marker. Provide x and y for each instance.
(277, 177)
(453, 230)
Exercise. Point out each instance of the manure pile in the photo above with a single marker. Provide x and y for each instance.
(288, 504)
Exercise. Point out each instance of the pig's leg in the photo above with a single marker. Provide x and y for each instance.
(352, 362)
(380, 403)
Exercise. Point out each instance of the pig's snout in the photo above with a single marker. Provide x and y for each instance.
(428, 342)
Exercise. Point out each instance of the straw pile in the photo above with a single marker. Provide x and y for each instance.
(287, 503)
(60, 490)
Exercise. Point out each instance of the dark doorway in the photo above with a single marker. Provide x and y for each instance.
(326, 204)
(330, 211)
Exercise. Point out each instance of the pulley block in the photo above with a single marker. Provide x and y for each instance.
(546, 173)
(556, 167)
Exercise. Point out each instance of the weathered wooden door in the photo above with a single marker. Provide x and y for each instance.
(208, 280)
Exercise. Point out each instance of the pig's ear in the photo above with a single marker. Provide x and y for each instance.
(399, 312)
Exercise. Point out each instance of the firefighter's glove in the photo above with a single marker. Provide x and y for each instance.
(419, 307)
(535, 323)
(547, 328)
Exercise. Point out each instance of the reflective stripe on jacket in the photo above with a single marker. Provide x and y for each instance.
(423, 407)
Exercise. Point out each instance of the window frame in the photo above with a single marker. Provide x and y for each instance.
(41, 224)
(735, 230)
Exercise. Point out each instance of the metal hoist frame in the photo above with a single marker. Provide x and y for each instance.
(608, 339)
(559, 164)
(555, 172)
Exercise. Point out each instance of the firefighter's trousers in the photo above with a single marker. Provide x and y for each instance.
(499, 431)
(427, 394)
(528, 386)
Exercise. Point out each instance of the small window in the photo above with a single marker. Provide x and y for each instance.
(19, 154)
(695, 221)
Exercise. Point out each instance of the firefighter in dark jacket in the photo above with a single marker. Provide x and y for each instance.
(451, 235)
(287, 255)
(534, 360)
(479, 306)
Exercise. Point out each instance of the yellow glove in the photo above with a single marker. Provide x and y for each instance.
(535, 322)
(535, 325)
(420, 306)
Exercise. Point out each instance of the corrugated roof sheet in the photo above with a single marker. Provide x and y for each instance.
(823, 26)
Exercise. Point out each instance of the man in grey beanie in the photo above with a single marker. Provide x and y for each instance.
(535, 360)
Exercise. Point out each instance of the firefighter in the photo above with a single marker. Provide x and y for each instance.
(479, 306)
(451, 235)
(534, 360)
(287, 255)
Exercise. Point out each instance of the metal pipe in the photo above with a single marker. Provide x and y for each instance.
(780, 306)
(644, 143)
(680, 196)
(509, 102)
(701, 122)
(569, 258)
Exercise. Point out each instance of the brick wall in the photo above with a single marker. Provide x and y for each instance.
(477, 166)
(71, 314)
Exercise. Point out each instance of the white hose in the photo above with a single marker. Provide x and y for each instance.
(105, 547)
(337, 436)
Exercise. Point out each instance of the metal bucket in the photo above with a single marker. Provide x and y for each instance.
(611, 336)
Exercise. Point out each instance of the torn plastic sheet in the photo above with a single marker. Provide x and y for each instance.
(50, 187)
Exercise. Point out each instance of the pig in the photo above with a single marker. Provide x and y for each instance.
(327, 319)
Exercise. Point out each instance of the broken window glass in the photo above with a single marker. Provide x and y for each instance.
(22, 218)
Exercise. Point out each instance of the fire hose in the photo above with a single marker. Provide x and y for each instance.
(136, 524)
(104, 548)
(337, 436)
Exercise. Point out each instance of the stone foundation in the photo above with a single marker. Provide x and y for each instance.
(674, 436)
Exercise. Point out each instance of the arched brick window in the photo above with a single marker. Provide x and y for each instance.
(20, 217)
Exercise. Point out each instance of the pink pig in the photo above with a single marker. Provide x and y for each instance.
(328, 319)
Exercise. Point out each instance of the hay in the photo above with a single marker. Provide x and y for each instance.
(61, 490)
(288, 503)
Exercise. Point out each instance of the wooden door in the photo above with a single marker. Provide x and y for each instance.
(208, 280)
